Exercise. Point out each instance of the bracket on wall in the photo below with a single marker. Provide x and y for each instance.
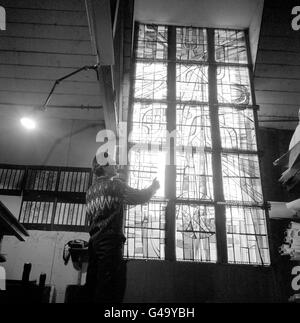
(58, 81)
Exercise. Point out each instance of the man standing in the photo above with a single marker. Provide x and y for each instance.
(105, 200)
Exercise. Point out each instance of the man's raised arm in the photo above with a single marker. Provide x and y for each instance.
(134, 196)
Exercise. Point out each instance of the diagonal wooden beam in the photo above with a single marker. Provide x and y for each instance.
(108, 98)
(101, 32)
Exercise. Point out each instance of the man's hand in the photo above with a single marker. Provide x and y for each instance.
(155, 185)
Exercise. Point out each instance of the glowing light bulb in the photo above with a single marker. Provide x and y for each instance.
(28, 123)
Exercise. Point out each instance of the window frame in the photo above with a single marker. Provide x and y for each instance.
(219, 201)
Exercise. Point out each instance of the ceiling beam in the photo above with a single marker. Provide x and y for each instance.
(101, 32)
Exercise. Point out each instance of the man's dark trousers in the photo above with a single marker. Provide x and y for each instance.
(106, 273)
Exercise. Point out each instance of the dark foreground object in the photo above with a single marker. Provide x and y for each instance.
(17, 293)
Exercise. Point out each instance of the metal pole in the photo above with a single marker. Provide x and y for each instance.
(170, 180)
(220, 211)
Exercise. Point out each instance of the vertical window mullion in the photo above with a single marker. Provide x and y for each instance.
(258, 144)
(171, 168)
(220, 217)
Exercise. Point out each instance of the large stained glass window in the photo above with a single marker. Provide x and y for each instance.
(193, 85)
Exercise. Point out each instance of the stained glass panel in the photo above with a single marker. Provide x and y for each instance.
(149, 124)
(247, 240)
(195, 233)
(150, 81)
(145, 166)
(233, 85)
(194, 175)
(152, 42)
(192, 83)
(193, 126)
(145, 231)
(241, 178)
(230, 46)
(237, 128)
(191, 44)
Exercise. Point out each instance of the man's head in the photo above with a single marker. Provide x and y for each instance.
(104, 165)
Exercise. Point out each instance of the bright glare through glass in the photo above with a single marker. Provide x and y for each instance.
(28, 123)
